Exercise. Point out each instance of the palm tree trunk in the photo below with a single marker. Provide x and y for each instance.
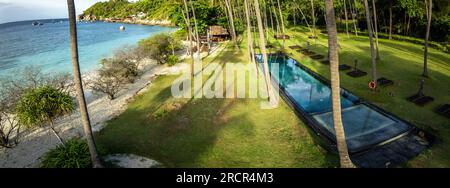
(96, 163)
(346, 19)
(425, 55)
(251, 52)
(375, 23)
(188, 23)
(335, 88)
(313, 18)
(231, 20)
(196, 31)
(282, 23)
(264, 54)
(355, 21)
(390, 20)
(372, 50)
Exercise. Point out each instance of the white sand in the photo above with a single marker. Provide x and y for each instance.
(37, 142)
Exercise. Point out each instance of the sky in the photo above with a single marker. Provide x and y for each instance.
(18, 10)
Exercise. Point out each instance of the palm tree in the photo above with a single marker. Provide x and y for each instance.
(251, 51)
(231, 20)
(282, 23)
(425, 55)
(372, 50)
(262, 45)
(346, 19)
(188, 24)
(96, 163)
(196, 31)
(335, 88)
(390, 20)
(313, 18)
(375, 24)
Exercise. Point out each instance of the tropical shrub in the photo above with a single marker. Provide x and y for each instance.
(160, 46)
(42, 105)
(73, 154)
(172, 60)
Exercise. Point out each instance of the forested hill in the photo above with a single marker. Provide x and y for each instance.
(150, 9)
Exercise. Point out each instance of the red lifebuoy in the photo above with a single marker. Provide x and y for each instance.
(372, 85)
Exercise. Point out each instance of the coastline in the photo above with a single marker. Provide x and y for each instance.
(34, 143)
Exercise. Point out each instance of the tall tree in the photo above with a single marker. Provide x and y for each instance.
(313, 19)
(346, 19)
(188, 23)
(375, 23)
(196, 31)
(335, 88)
(231, 20)
(390, 20)
(427, 35)
(262, 45)
(96, 163)
(282, 23)
(251, 51)
(372, 49)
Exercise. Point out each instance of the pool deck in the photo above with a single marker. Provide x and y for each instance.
(389, 153)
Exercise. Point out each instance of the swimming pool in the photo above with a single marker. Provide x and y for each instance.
(365, 125)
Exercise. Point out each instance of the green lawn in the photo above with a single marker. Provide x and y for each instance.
(401, 62)
(237, 133)
(212, 132)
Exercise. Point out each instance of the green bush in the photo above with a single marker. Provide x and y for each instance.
(172, 60)
(43, 105)
(74, 154)
(159, 47)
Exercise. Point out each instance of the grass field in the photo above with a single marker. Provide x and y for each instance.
(237, 133)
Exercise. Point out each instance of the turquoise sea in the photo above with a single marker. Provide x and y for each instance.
(47, 46)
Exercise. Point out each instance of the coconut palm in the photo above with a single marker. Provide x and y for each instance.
(251, 51)
(335, 88)
(282, 23)
(313, 19)
(375, 24)
(188, 25)
(346, 19)
(231, 20)
(262, 45)
(96, 163)
(427, 35)
(372, 50)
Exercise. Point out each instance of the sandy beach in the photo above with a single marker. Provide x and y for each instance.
(35, 143)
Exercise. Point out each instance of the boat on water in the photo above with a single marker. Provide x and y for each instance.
(36, 23)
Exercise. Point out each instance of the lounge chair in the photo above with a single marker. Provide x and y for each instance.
(344, 67)
(356, 73)
(384, 82)
(294, 47)
(325, 62)
(317, 56)
(443, 110)
(420, 99)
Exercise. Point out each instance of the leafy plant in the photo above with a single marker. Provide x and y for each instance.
(73, 154)
(160, 46)
(42, 106)
(172, 60)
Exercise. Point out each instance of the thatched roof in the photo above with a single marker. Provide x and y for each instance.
(217, 30)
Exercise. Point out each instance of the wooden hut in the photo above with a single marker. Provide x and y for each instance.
(218, 33)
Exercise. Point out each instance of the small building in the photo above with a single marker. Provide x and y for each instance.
(218, 33)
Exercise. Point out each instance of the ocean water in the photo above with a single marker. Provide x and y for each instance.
(48, 47)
